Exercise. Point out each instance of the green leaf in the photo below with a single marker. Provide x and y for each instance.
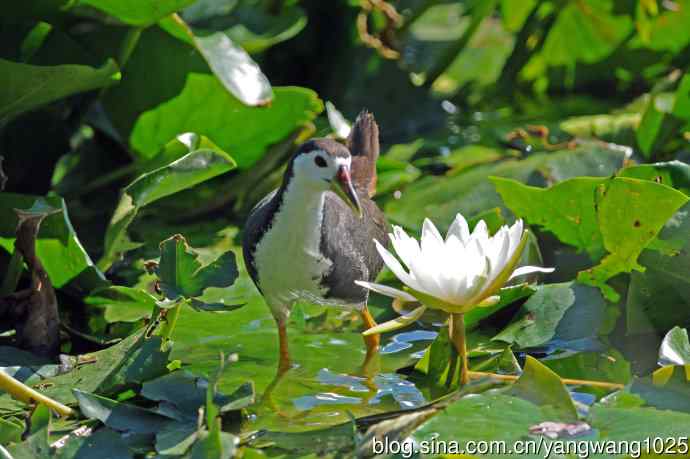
(542, 313)
(637, 424)
(249, 25)
(10, 432)
(594, 366)
(122, 304)
(440, 198)
(36, 444)
(665, 113)
(138, 12)
(566, 209)
(176, 438)
(209, 110)
(484, 417)
(668, 388)
(231, 64)
(585, 31)
(187, 393)
(57, 246)
(195, 167)
(92, 446)
(131, 361)
(508, 296)
(182, 274)
(216, 444)
(675, 348)
(122, 417)
(658, 299)
(24, 87)
(630, 214)
(675, 174)
(544, 388)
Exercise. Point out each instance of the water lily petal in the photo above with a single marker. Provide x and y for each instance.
(399, 322)
(395, 266)
(386, 290)
(459, 229)
(406, 247)
(516, 231)
(498, 251)
(480, 233)
(432, 243)
(523, 270)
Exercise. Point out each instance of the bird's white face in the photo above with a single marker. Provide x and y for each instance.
(318, 167)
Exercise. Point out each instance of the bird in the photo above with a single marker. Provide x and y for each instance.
(313, 237)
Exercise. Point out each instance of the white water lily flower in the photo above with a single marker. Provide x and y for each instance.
(455, 274)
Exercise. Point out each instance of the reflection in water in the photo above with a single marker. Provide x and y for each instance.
(308, 402)
(404, 392)
(403, 341)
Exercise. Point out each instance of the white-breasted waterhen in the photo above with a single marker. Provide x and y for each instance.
(313, 237)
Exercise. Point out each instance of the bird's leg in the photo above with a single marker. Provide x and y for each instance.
(371, 341)
(284, 362)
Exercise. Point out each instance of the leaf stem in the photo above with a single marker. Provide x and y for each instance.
(171, 320)
(26, 394)
(572, 382)
(456, 331)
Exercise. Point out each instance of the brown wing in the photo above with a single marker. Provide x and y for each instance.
(363, 144)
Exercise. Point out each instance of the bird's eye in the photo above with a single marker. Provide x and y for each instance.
(319, 161)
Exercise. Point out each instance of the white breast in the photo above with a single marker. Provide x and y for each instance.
(288, 261)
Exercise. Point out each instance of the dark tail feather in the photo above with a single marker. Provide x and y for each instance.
(363, 144)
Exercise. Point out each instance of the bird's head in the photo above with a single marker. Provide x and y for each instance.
(326, 164)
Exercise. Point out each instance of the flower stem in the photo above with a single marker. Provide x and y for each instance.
(26, 394)
(456, 331)
(573, 382)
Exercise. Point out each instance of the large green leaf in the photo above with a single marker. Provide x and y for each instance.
(57, 245)
(231, 64)
(658, 299)
(138, 12)
(675, 174)
(245, 132)
(24, 87)
(197, 166)
(440, 198)
(623, 214)
(485, 417)
(630, 214)
(637, 425)
(566, 209)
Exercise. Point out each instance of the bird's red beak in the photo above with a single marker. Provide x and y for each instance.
(343, 188)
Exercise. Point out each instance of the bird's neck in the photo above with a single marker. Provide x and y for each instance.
(302, 204)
